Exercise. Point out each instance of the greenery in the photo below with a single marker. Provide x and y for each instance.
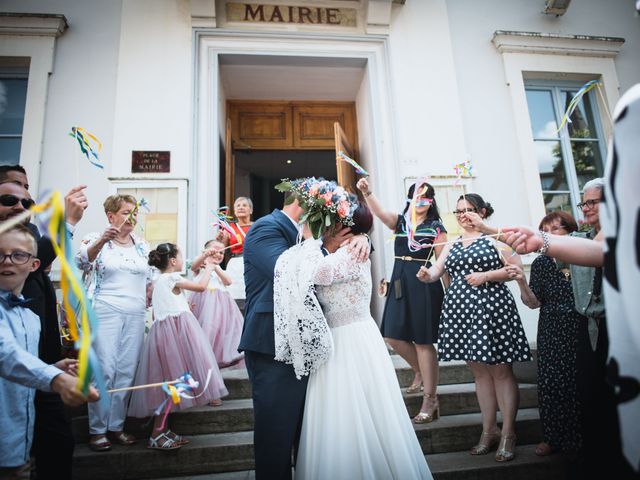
(325, 203)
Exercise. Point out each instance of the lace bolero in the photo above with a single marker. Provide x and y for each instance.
(301, 334)
(304, 280)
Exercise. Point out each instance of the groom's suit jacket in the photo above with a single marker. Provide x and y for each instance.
(267, 239)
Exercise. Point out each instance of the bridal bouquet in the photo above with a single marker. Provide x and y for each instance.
(325, 203)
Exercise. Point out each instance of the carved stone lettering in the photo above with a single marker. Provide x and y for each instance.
(297, 14)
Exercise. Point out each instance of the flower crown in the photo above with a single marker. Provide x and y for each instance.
(324, 202)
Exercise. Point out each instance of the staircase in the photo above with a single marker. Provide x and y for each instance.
(221, 437)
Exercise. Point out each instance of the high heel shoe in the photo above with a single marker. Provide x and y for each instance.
(506, 449)
(414, 388)
(486, 443)
(432, 413)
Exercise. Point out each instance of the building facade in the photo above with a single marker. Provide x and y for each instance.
(198, 101)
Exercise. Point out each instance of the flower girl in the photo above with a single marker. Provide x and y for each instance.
(215, 308)
(175, 345)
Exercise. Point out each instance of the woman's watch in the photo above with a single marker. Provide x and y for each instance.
(545, 243)
(368, 193)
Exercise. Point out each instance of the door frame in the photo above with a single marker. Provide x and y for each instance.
(378, 143)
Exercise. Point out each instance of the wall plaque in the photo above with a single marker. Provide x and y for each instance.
(291, 14)
(150, 162)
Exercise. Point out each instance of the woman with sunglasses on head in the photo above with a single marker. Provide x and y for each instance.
(480, 324)
(412, 310)
(115, 268)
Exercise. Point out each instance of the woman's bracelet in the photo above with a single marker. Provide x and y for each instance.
(368, 194)
(545, 243)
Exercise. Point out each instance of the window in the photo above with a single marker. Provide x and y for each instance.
(13, 98)
(569, 158)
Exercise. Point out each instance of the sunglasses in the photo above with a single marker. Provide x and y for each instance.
(8, 200)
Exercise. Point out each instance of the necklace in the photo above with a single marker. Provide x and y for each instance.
(126, 242)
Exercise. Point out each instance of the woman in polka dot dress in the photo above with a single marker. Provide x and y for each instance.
(480, 324)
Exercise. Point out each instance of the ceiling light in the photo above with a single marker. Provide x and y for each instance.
(556, 7)
(289, 162)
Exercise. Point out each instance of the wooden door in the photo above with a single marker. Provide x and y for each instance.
(261, 125)
(346, 173)
(229, 167)
(313, 123)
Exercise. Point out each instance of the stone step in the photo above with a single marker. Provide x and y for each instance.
(237, 380)
(226, 452)
(237, 415)
(458, 466)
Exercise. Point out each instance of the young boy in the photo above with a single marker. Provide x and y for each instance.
(21, 371)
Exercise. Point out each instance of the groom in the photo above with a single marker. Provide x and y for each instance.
(278, 397)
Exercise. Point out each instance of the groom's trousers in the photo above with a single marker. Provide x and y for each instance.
(278, 405)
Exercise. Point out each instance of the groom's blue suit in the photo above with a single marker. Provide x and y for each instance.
(278, 397)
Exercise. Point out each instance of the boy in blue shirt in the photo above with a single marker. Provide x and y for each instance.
(21, 371)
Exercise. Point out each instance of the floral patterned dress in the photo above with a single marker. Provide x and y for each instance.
(559, 328)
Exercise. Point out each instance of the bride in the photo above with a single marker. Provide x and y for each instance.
(355, 422)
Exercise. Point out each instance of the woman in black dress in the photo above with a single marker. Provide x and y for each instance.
(559, 327)
(480, 324)
(412, 310)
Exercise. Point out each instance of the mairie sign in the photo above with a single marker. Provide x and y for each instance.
(291, 14)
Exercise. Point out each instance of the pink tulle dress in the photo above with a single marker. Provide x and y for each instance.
(221, 320)
(174, 345)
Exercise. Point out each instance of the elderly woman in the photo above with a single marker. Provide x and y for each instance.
(115, 266)
(242, 210)
(560, 327)
(600, 426)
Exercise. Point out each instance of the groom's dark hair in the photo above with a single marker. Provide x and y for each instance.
(362, 219)
(289, 197)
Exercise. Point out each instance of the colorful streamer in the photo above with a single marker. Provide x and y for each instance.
(82, 321)
(411, 218)
(90, 146)
(183, 387)
(464, 169)
(220, 222)
(566, 118)
(343, 156)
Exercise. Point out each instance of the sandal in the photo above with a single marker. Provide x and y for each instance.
(432, 413)
(215, 403)
(506, 449)
(486, 443)
(179, 439)
(99, 443)
(162, 442)
(414, 388)
(122, 438)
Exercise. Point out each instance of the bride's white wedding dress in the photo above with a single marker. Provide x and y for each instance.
(355, 424)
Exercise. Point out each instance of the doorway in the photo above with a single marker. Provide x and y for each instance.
(257, 172)
(267, 141)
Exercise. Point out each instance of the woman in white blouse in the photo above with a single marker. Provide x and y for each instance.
(115, 265)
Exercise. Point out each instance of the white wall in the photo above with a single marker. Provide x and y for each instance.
(154, 85)
(429, 128)
(81, 93)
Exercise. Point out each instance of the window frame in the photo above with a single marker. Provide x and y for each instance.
(556, 89)
(21, 73)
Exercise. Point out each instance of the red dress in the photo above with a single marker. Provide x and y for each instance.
(235, 267)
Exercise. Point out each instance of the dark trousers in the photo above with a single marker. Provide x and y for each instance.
(278, 405)
(53, 439)
(601, 453)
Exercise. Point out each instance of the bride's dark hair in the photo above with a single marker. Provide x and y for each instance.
(362, 219)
